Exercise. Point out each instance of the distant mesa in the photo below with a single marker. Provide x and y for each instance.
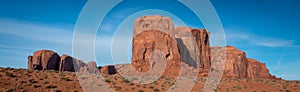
(50, 60)
(185, 46)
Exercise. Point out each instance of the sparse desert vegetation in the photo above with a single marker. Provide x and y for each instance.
(22, 80)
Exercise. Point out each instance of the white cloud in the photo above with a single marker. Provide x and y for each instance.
(35, 31)
(243, 37)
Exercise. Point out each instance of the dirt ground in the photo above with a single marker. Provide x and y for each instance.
(22, 80)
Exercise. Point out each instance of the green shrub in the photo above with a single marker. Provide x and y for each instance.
(144, 85)
(36, 86)
(131, 84)
(126, 81)
(10, 75)
(51, 86)
(156, 90)
(151, 87)
(117, 88)
(106, 80)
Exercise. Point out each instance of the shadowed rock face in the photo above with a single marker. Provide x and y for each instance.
(187, 46)
(78, 65)
(43, 60)
(110, 69)
(66, 63)
(194, 47)
(202, 39)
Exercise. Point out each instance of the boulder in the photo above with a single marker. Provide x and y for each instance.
(109, 69)
(43, 60)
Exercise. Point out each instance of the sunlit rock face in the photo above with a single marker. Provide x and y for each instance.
(160, 23)
(155, 41)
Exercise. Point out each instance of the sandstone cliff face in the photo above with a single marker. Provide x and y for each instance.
(202, 39)
(172, 46)
(257, 69)
(187, 44)
(90, 67)
(160, 23)
(145, 43)
(66, 63)
(151, 34)
(194, 48)
(239, 66)
(236, 63)
(78, 65)
(43, 60)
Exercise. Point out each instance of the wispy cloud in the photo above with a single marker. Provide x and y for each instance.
(244, 37)
(21, 38)
(33, 31)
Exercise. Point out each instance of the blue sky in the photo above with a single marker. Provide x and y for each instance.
(267, 30)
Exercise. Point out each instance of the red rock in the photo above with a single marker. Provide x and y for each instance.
(194, 48)
(90, 67)
(109, 69)
(43, 60)
(156, 22)
(236, 63)
(239, 66)
(202, 39)
(257, 69)
(187, 46)
(78, 65)
(66, 63)
(154, 40)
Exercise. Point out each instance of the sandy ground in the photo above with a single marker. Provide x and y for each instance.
(22, 80)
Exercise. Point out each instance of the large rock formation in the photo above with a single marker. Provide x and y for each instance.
(257, 70)
(155, 33)
(109, 69)
(145, 43)
(237, 65)
(155, 40)
(194, 48)
(78, 65)
(202, 39)
(160, 23)
(43, 60)
(90, 67)
(187, 46)
(66, 63)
